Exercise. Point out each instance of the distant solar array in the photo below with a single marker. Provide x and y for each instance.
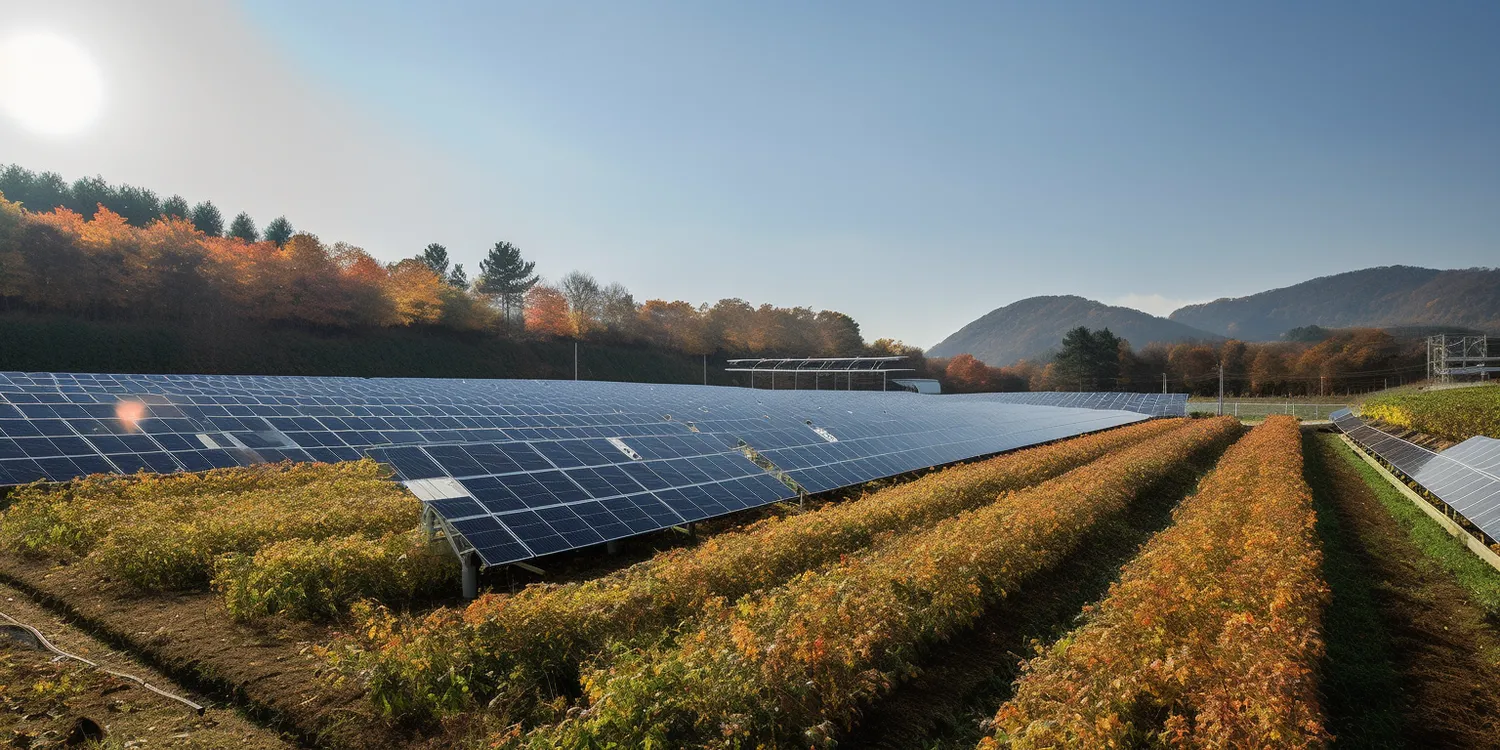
(1153, 404)
(1466, 477)
(516, 469)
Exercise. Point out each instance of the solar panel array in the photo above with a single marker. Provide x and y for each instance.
(1466, 476)
(519, 469)
(1152, 404)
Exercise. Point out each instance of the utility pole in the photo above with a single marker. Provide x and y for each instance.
(575, 360)
(1163, 384)
(1322, 386)
(705, 369)
(1221, 389)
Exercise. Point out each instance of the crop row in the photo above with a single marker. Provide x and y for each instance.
(1457, 414)
(1212, 634)
(519, 652)
(169, 532)
(796, 664)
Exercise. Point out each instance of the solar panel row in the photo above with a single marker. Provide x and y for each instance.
(1153, 404)
(1463, 476)
(518, 468)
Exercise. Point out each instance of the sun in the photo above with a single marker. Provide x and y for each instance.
(49, 84)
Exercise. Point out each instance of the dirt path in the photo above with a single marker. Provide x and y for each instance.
(1413, 662)
(41, 701)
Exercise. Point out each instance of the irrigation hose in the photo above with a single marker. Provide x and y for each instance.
(42, 639)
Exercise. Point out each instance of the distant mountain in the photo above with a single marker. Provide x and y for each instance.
(1391, 296)
(1032, 327)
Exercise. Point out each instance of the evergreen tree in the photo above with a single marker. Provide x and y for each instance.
(458, 278)
(436, 258)
(243, 227)
(139, 206)
(504, 274)
(175, 207)
(208, 220)
(279, 231)
(88, 193)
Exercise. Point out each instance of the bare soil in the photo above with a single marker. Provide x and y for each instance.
(1443, 649)
(44, 702)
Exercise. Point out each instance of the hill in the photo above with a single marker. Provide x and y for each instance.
(1385, 297)
(1032, 327)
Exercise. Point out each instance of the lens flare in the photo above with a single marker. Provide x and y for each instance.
(130, 414)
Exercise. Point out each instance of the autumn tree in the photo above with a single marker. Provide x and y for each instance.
(838, 334)
(621, 315)
(279, 231)
(965, 374)
(417, 292)
(505, 276)
(206, 218)
(243, 228)
(546, 310)
(585, 301)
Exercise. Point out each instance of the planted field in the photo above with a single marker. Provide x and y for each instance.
(1212, 636)
(1456, 414)
(518, 652)
(306, 594)
(797, 663)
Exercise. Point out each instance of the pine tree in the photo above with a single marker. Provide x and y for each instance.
(436, 258)
(279, 231)
(243, 227)
(458, 278)
(175, 207)
(208, 220)
(506, 275)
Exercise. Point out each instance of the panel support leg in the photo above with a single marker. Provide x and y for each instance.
(613, 546)
(471, 575)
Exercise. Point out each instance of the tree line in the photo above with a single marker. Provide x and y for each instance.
(116, 252)
(1310, 362)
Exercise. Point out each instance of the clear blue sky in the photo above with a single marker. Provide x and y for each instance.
(912, 164)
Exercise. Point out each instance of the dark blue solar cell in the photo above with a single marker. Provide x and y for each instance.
(23, 470)
(455, 460)
(411, 463)
(93, 464)
(598, 518)
(529, 490)
(59, 469)
(456, 507)
(525, 457)
(565, 522)
(643, 474)
(9, 449)
(564, 489)
(592, 483)
(17, 428)
(181, 443)
(52, 427)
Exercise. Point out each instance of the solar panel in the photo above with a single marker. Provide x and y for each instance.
(1152, 404)
(518, 469)
(1463, 476)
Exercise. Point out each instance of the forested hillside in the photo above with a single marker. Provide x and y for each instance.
(1033, 327)
(1383, 297)
(91, 262)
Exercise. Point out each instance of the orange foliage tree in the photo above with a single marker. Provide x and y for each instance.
(547, 312)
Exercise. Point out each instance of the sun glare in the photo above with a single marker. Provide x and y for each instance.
(49, 84)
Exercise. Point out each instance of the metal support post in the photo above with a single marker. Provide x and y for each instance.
(613, 546)
(471, 575)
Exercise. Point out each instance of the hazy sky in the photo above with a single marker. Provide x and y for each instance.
(912, 164)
